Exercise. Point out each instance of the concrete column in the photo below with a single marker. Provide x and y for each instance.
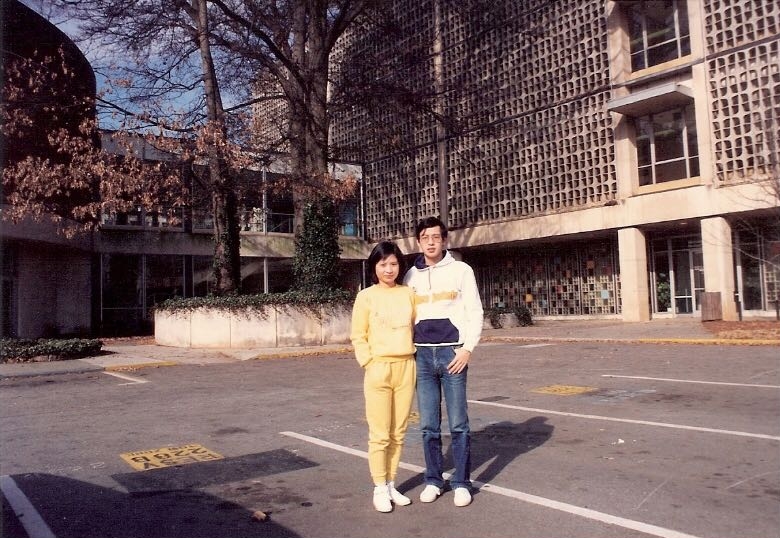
(718, 255)
(635, 298)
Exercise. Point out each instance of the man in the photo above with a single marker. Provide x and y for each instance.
(448, 325)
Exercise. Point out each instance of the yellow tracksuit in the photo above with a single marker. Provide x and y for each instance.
(382, 320)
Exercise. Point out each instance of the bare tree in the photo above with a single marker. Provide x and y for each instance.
(170, 66)
(53, 166)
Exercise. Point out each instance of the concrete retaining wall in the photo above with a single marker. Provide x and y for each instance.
(279, 326)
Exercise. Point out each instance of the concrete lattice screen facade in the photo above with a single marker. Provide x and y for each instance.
(745, 96)
(538, 169)
(548, 142)
(571, 280)
(745, 88)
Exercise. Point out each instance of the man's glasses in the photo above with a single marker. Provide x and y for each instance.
(430, 239)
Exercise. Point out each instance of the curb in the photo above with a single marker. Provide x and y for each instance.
(689, 341)
(80, 366)
(304, 352)
(138, 366)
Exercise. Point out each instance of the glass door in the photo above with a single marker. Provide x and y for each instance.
(682, 282)
(677, 275)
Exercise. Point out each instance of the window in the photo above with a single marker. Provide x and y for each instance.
(666, 146)
(658, 30)
(131, 284)
(349, 218)
(166, 218)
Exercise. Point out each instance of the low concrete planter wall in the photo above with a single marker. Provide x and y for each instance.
(279, 326)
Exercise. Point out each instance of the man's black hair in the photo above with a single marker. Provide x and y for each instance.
(430, 222)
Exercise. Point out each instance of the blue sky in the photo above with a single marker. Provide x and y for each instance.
(100, 57)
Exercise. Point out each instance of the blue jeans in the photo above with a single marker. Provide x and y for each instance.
(433, 379)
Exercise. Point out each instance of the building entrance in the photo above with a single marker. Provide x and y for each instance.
(676, 276)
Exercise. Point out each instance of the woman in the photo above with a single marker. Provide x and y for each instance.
(382, 319)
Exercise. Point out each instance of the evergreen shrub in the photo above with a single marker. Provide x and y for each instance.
(257, 304)
(521, 312)
(47, 349)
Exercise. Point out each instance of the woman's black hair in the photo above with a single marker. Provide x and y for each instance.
(382, 250)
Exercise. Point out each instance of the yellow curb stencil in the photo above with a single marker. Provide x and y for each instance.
(564, 390)
(169, 456)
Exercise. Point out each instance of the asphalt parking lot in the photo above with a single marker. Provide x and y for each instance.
(569, 439)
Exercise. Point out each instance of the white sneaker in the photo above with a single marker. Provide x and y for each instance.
(429, 494)
(382, 499)
(397, 497)
(462, 497)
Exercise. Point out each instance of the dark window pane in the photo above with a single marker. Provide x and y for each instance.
(280, 275)
(685, 46)
(670, 171)
(643, 142)
(668, 129)
(662, 53)
(659, 18)
(682, 19)
(252, 275)
(643, 151)
(122, 281)
(203, 280)
(694, 165)
(164, 278)
(348, 217)
(645, 176)
(690, 126)
(635, 29)
(638, 61)
(751, 276)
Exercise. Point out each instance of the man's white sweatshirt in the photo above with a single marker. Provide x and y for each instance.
(449, 310)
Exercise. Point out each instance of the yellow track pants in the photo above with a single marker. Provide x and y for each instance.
(389, 391)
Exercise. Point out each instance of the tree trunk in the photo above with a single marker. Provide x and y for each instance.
(309, 151)
(227, 260)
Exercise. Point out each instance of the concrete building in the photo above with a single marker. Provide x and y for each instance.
(46, 277)
(105, 282)
(609, 159)
(613, 158)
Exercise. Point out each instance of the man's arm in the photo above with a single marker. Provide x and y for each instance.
(474, 321)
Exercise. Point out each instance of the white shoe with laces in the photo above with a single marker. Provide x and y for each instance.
(462, 497)
(382, 499)
(430, 493)
(397, 497)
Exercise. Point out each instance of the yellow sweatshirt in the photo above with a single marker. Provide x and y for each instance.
(382, 324)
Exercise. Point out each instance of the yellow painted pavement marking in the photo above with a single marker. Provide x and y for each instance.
(564, 390)
(169, 456)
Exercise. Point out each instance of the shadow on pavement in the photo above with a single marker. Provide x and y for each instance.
(496, 445)
(502, 442)
(77, 509)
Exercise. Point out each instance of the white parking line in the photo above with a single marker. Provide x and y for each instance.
(28, 516)
(519, 495)
(694, 381)
(133, 380)
(631, 421)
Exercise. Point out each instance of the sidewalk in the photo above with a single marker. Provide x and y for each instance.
(127, 357)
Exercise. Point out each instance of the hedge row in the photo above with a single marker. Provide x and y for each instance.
(52, 349)
(258, 303)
